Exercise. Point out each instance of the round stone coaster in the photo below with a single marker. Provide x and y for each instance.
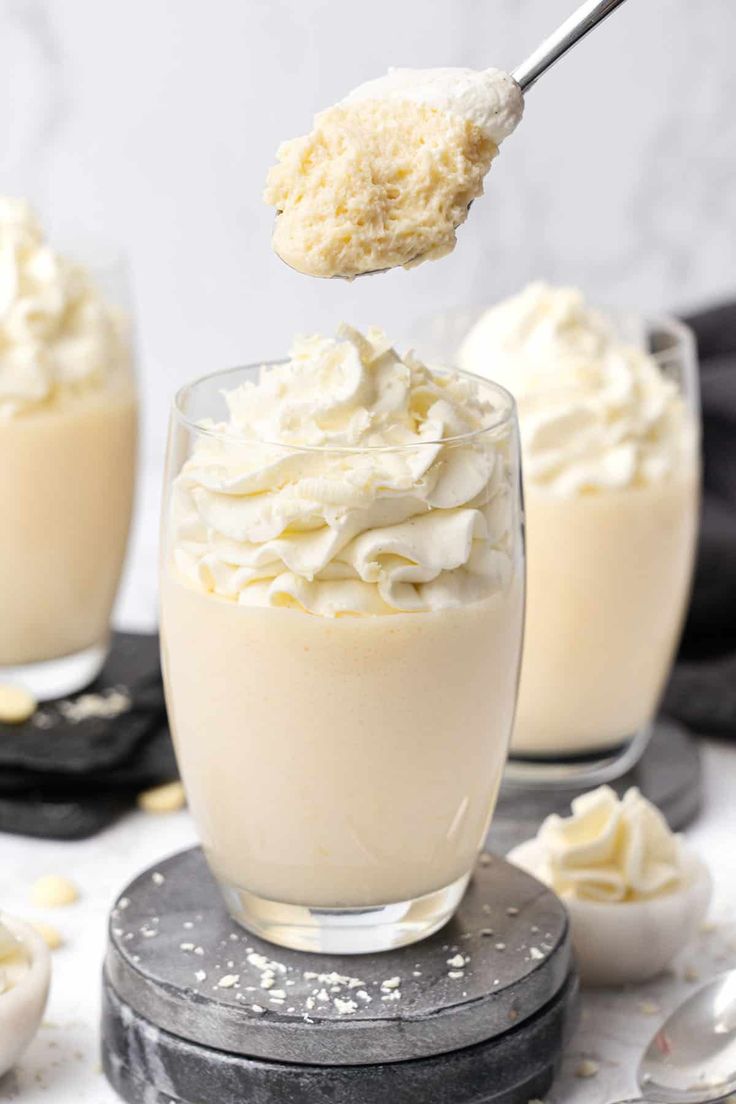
(669, 773)
(144, 1063)
(177, 962)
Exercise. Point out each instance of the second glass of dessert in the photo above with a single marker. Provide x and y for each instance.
(609, 416)
(342, 606)
(68, 420)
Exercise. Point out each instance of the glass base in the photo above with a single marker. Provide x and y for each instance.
(344, 930)
(581, 771)
(55, 678)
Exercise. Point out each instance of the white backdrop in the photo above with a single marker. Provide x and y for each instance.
(153, 122)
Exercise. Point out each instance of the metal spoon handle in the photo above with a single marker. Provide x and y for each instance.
(587, 16)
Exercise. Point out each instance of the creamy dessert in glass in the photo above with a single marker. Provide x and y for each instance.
(342, 606)
(68, 420)
(608, 410)
(388, 174)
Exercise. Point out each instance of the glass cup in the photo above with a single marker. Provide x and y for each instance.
(608, 581)
(67, 478)
(342, 771)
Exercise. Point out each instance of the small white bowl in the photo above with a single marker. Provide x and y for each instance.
(22, 1007)
(626, 942)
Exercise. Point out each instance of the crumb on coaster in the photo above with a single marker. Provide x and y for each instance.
(51, 936)
(16, 704)
(53, 891)
(586, 1068)
(163, 799)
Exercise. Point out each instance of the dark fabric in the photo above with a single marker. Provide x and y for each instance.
(70, 780)
(702, 690)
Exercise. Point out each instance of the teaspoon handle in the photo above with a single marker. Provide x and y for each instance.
(587, 16)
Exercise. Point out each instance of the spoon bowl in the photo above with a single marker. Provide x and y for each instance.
(692, 1057)
(577, 26)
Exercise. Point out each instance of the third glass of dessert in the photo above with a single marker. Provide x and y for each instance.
(342, 607)
(609, 417)
(68, 419)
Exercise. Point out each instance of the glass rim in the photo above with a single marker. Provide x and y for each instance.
(505, 415)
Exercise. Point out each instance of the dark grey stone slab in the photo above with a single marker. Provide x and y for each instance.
(669, 773)
(146, 1065)
(179, 962)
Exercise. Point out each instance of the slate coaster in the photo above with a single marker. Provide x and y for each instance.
(144, 1063)
(178, 960)
(67, 780)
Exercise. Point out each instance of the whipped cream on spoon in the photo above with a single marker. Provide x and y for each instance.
(388, 175)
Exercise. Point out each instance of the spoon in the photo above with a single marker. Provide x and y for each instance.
(692, 1058)
(575, 27)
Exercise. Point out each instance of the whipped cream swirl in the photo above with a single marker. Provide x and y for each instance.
(489, 98)
(371, 508)
(609, 849)
(58, 337)
(595, 411)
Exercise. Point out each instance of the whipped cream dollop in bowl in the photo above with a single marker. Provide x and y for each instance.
(634, 892)
(387, 175)
(342, 593)
(25, 974)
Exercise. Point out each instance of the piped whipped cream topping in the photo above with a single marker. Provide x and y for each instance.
(489, 98)
(13, 960)
(609, 849)
(58, 337)
(595, 411)
(372, 508)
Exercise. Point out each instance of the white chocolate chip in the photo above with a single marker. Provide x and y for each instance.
(163, 799)
(53, 891)
(228, 981)
(587, 1068)
(391, 983)
(16, 704)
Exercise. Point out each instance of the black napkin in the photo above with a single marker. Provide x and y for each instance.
(67, 779)
(702, 690)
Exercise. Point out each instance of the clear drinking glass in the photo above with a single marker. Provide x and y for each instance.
(608, 581)
(67, 479)
(342, 771)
